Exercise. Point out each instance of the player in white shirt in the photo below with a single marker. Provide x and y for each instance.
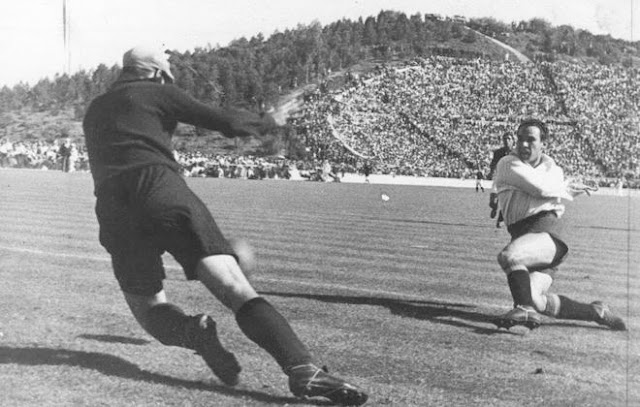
(530, 188)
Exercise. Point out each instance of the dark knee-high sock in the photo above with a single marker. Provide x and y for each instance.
(169, 325)
(570, 309)
(265, 326)
(520, 286)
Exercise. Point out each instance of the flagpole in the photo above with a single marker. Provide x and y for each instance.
(66, 32)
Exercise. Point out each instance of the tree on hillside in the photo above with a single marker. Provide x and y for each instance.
(564, 40)
(258, 71)
(489, 26)
(538, 25)
(443, 31)
(370, 34)
(101, 79)
(44, 97)
(469, 37)
(308, 48)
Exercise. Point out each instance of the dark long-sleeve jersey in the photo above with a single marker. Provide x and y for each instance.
(497, 155)
(131, 125)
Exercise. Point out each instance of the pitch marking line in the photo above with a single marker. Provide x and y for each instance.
(396, 294)
(54, 254)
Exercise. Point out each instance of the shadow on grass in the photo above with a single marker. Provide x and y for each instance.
(114, 366)
(115, 339)
(575, 324)
(459, 315)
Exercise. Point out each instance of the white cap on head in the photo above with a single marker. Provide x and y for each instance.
(149, 58)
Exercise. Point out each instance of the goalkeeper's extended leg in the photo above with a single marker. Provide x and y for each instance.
(265, 326)
(168, 324)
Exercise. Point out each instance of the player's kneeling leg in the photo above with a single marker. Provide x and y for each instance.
(540, 283)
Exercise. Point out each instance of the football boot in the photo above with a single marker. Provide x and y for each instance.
(605, 317)
(520, 315)
(207, 344)
(308, 381)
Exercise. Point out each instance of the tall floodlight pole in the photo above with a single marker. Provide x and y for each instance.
(66, 32)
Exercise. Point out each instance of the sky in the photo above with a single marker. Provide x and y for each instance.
(33, 46)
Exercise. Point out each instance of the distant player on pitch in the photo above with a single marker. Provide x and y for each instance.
(530, 188)
(145, 208)
(507, 144)
(479, 178)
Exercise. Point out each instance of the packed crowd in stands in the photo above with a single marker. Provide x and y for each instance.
(197, 164)
(438, 117)
(605, 102)
(68, 156)
(59, 154)
(443, 117)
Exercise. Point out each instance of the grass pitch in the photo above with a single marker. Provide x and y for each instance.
(396, 295)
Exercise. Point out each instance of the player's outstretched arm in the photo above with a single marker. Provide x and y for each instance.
(230, 121)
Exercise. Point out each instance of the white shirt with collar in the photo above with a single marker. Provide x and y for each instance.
(524, 190)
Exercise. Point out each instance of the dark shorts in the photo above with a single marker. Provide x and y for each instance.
(543, 222)
(146, 212)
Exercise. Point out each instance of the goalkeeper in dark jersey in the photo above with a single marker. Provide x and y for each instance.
(145, 208)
